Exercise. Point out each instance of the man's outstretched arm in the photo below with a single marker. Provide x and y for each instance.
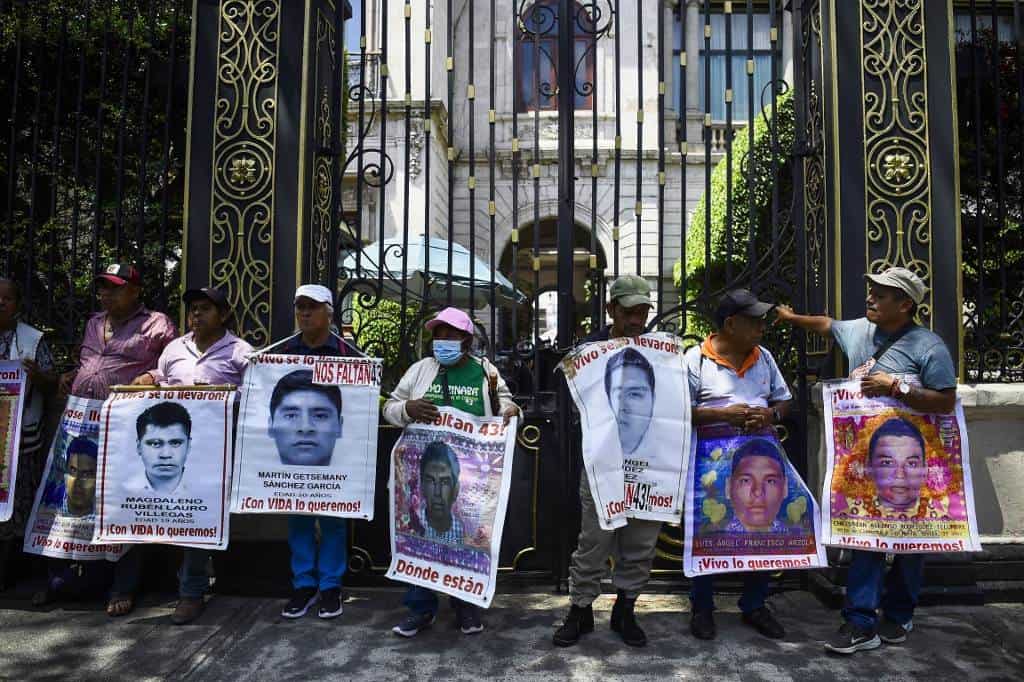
(819, 324)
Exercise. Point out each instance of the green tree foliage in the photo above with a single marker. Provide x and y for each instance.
(97, 170)
(751, 224)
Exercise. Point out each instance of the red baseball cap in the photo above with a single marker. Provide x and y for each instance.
(120, 274)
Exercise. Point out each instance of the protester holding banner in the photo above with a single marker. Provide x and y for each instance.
(735, 381)
(451, 377)
(120, 342)
(208, 354)
(21, 342)
(632, 544)
(891, 356)
(316, 571)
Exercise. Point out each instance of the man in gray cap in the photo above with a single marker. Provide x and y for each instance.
(891, 355)
(631, 545)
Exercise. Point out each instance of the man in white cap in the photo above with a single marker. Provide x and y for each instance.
(316, 569)
(891, 355)
(454, 378)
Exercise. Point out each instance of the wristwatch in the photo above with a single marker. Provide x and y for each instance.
(903, 388)
(776, 415)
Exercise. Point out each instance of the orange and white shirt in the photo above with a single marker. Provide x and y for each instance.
(715, 382)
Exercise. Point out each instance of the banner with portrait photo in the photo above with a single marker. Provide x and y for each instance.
(12, 398)
(448, 490)
(747, 507)
(897, 481)
(634, 403)
(307, 436)
(165, 466)
(64, 515)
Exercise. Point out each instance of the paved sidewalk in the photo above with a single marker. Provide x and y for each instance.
(244, 638)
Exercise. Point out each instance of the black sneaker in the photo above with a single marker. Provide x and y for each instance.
(300, 602)
(851, 638)
(762, 620)
(468, 616)
(413, 623)
(894, 633)
(702, 625)
(330, 604)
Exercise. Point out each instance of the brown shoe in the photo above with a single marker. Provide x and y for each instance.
(187, 610)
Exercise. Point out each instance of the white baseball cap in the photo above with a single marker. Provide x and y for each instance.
(315, 292)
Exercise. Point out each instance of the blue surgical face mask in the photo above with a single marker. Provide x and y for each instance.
(447, 352)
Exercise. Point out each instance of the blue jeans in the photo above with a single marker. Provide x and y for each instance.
(865, 591)
(318, 569)
(422, 601)
(193, 577)
(755, 591)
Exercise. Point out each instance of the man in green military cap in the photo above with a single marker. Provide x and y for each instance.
(632, 545)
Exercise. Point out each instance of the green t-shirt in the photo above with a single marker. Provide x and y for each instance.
(465, 387)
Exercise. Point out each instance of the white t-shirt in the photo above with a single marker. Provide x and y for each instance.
(717, 385)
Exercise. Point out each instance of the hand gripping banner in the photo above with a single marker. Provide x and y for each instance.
(634, 404)
(897, 481)
(12, 398)
(307, 436)
(64, 514)
(165, 466)
(449, 490)
(747, 507)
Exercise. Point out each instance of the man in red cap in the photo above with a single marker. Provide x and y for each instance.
(121, 342)
(450, 377)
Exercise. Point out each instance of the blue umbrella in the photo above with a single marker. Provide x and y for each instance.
(433, 284)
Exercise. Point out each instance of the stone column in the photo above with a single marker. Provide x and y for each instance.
(890, 129)
(259, 183)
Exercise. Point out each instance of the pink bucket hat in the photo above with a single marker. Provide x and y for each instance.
(453, 317)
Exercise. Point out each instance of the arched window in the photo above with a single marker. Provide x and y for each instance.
(537, 56)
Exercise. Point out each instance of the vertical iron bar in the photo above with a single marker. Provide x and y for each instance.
(339, 91)
(1018, 35)
(97, 225)
(140, 228)
(30, 241)
(595, 273)
(617, 192)
(427, 109)
(55, 166)
(707, 147)
(76, 177)
(516, 157)
(122, 133)
(999, 181)
(166, 166)
(979, 203)
(407, 71)
(536, 95)
(684, 149)
(450, 65)
(12, 154)
(729, 232)
(751, 158)
(800, 95)
(383, 141)
(661, 157)
(471, 103)
(773, 129)
(361, 142)
(491, 208)
(638, 208)
(566, 229)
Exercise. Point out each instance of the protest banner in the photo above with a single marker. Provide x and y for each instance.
(307, 436)
(897, 481)
(165, 466)
(12, 398)
(448, 490)
(634, 404)
(63, 518)
(748, 509)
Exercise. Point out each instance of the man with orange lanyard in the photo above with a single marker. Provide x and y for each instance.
(735, 381)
